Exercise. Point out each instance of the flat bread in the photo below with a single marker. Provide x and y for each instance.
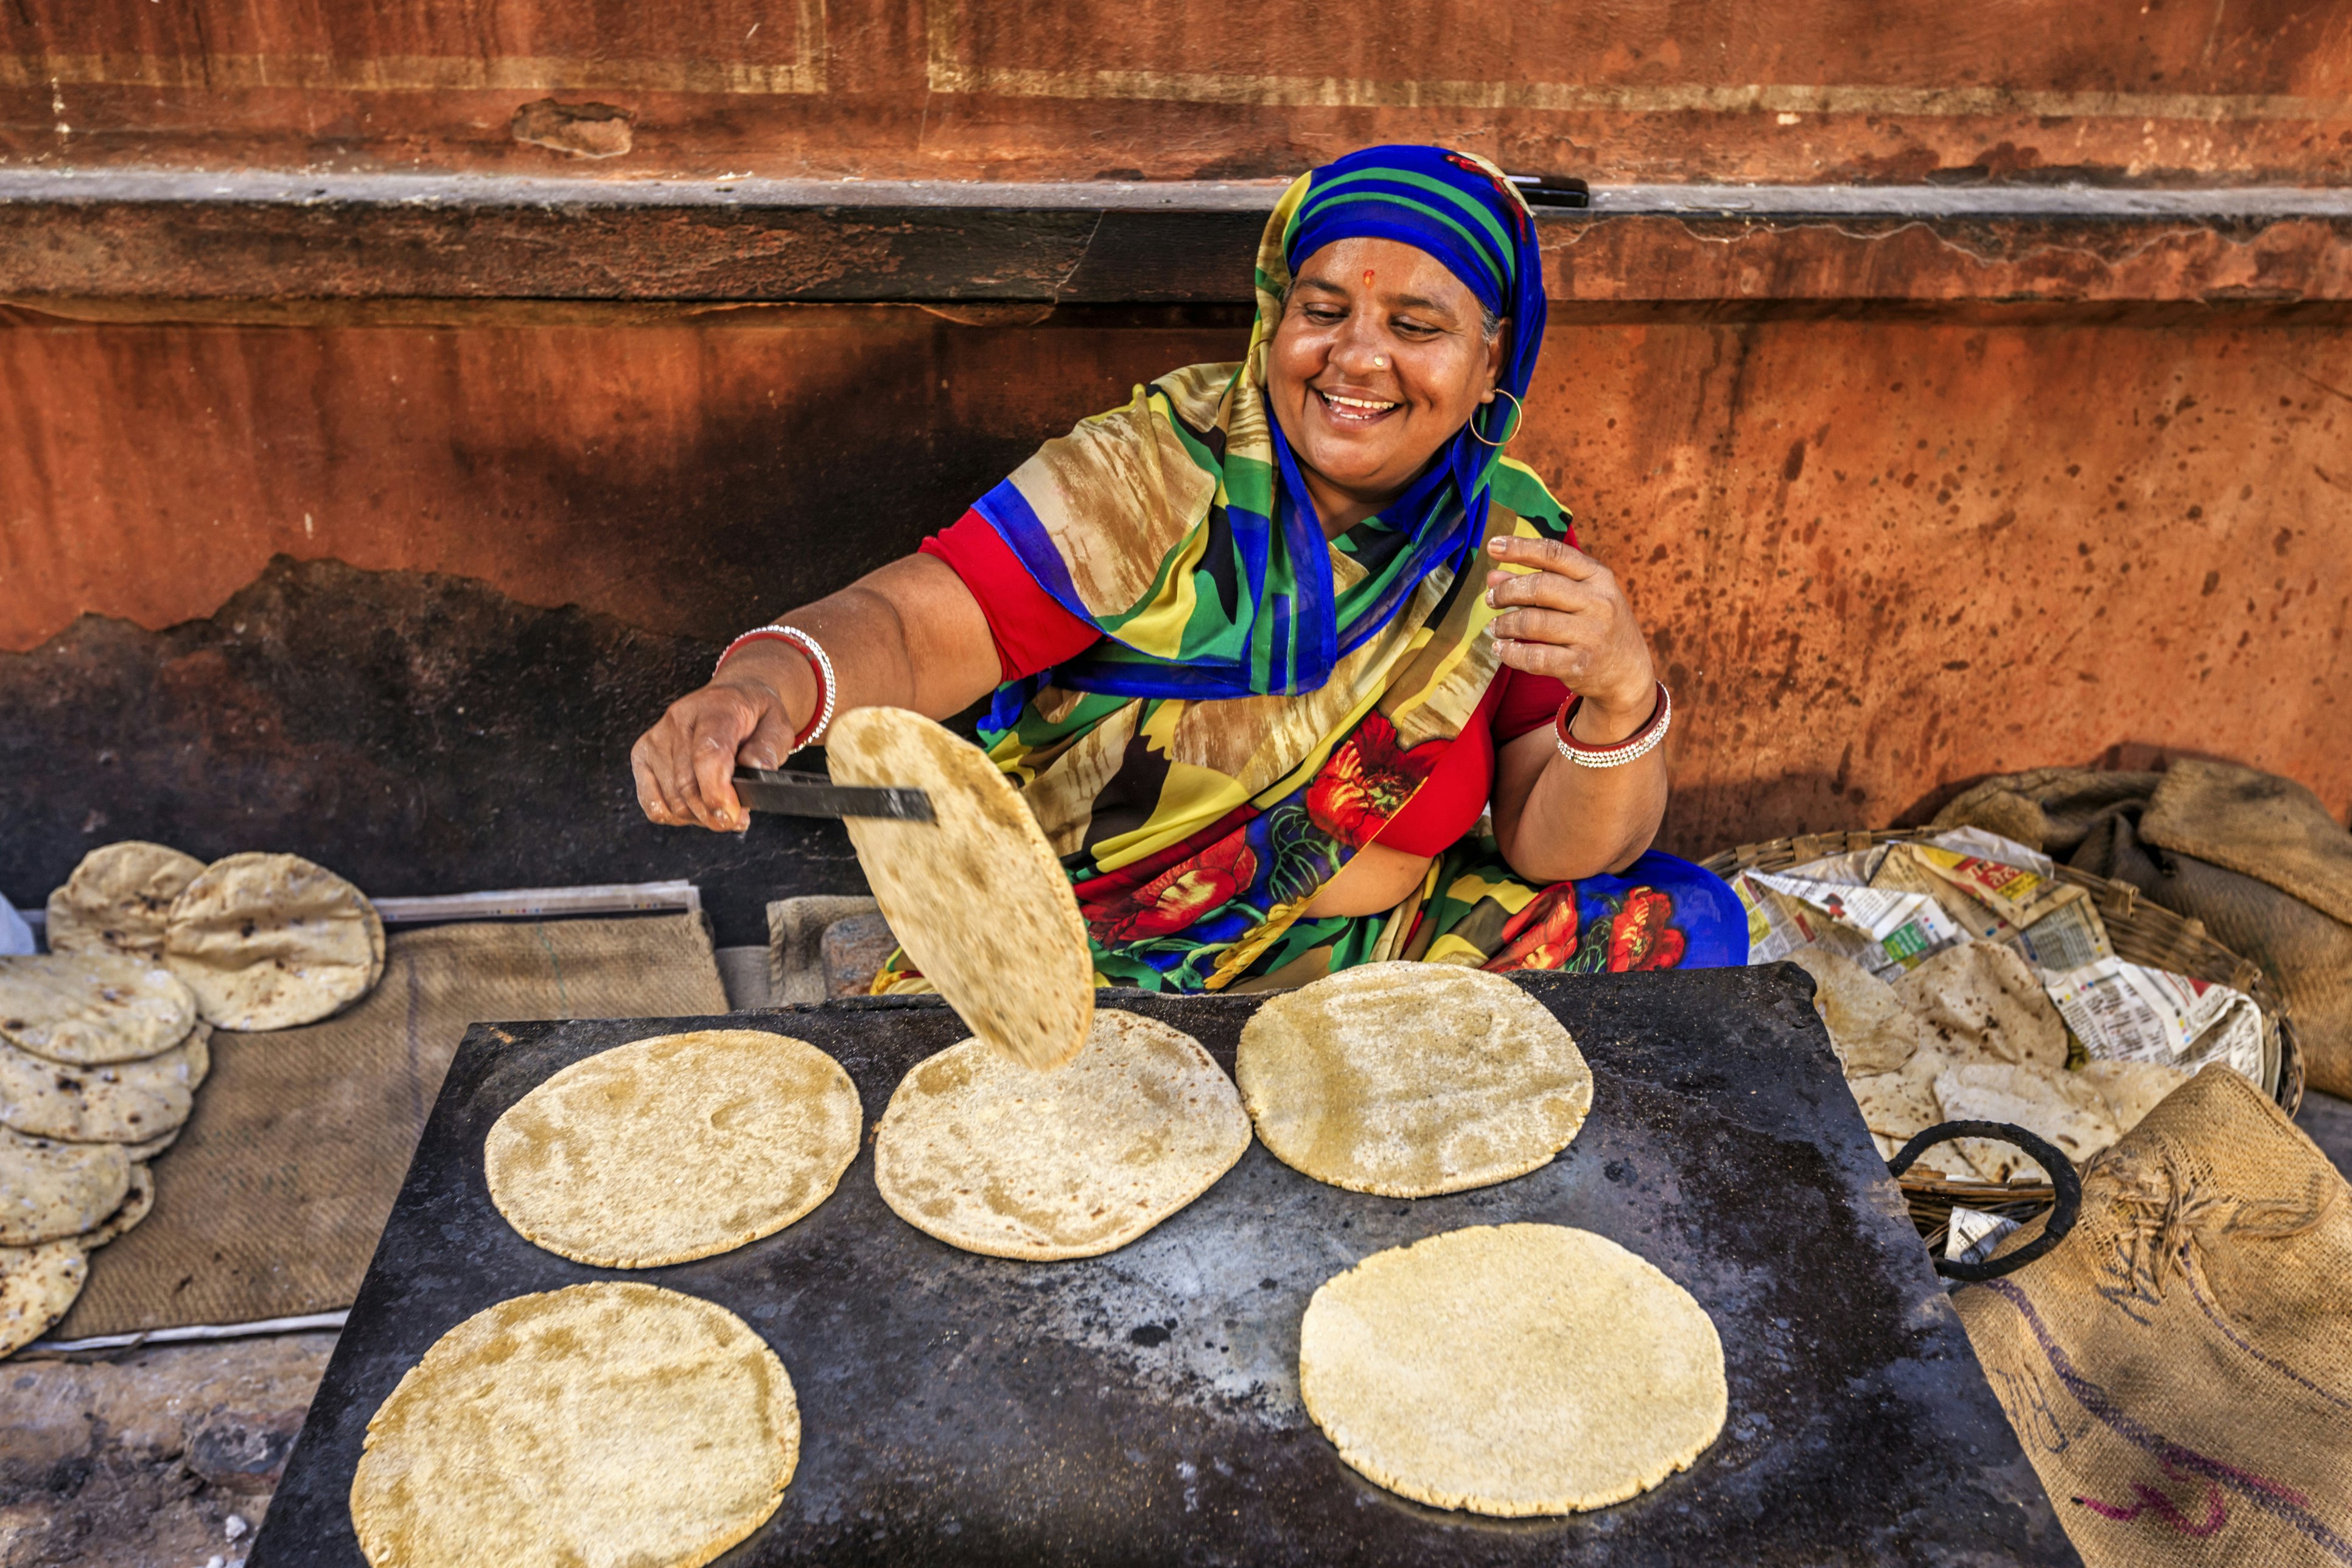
(977, 898)
(137, 1203)
(2058, 1107)
(608, 1424)
(1870, 1030)
(86, 1009)
(118, 897)
(674, 1148)
(1986, 1004)
(270, 942)
(36, 1285)
(139, 1154)
(50, 1190)
(1411, 1079)
(1513, 1370)
(1897, 1105)
(2132, 1090)
(117, 1102)
(996, 1158)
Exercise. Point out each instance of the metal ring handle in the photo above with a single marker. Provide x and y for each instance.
(2060, 1169)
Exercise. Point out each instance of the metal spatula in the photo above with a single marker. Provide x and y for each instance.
(813, 794)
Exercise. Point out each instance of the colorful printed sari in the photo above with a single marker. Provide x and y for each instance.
(1264, 700)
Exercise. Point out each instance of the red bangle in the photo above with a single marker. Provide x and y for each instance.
(1639, 743)
(819, 664)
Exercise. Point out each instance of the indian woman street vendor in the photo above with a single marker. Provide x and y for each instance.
(1295, 667)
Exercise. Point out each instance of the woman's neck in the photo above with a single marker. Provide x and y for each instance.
(1338, 509)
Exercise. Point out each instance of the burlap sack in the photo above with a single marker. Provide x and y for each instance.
(2180, 1368)
(2256, 857)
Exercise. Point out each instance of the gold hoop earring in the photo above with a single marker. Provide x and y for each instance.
(1518, 417)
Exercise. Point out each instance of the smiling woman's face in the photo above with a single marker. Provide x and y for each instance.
(1380, 357)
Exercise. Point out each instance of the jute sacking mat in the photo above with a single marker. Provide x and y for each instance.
(271, 1203)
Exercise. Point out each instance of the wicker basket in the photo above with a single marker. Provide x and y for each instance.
(2142, 933)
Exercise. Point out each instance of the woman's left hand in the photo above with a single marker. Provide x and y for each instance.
(1568, 617)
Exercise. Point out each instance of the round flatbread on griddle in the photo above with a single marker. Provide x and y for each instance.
(270, 942)
(608, 1422)
(88, 1008)
(1411, 1079)
(36, 1285)
(1512, 1370)
(50, 1190)
(674, 1148)
(114, 1103)
(999, 1159)
(118, 897)
(977, 896)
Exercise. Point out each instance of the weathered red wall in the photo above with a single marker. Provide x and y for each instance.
(1619, 90)
(1876, 555)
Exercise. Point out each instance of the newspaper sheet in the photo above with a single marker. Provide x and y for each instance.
(1895, 931)
(2127, 1012)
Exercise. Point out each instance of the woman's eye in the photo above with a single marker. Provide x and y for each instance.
(1415, 328)
(1323, 316)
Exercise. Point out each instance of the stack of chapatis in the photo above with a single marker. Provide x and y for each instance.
(100, 1055)
(105, 1039)
(1971, 1035)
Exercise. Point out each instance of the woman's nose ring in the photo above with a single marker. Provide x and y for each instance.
(1380, 361)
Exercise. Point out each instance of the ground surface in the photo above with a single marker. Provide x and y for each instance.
(149, 1459)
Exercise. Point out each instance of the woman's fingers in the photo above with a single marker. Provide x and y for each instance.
(683, 765)
(1544, 554)
(719, 728)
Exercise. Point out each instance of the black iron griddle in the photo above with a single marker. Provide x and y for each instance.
(1143, 1407)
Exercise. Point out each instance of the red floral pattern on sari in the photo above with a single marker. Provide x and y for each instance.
(1367, 781)
(1640, 937)
(1179, 895)
(1540, 936)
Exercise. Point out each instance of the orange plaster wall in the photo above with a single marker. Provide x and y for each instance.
(1874, 556)
(1621, 91)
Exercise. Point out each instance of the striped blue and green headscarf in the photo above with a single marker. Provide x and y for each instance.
(1180, 524)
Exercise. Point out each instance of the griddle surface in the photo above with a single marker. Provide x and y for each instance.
(1143, 1406)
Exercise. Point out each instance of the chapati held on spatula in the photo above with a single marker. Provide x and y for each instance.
(118, 898)
(269, 942)
(1411, 1079)
(114, 1103)
(1513, 1370)
(999, 1159)
(85, 1009)
(674, 1148)
(601, 1426)
(977, 896)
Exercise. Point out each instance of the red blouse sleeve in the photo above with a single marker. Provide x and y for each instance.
(1031, 632)
(1528, 703)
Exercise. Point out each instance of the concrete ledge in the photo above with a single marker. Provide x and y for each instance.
(193, 236)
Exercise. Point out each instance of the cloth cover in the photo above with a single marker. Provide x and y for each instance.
(271, 1203)
(2180, 1368)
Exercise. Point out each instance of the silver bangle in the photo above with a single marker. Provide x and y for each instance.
(828, 687)
(1639, 744)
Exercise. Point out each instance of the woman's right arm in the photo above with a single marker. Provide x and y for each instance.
(908, 635)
